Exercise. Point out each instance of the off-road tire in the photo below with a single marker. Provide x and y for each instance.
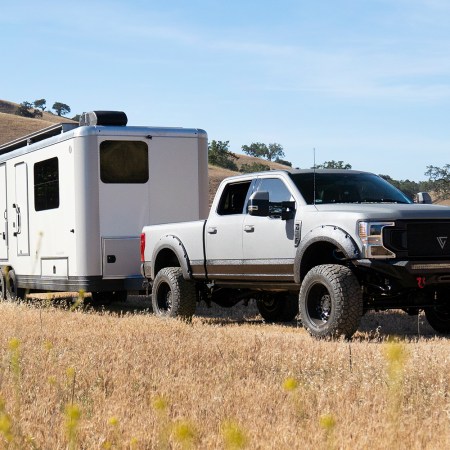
(439, 318)
(172, 295)
(278, 307)
(330, 302)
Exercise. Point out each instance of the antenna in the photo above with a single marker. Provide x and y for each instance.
(314, 176)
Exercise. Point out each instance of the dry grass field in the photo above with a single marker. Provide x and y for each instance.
(124, 379)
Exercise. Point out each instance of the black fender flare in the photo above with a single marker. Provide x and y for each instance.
(330, 234)
(173, 243)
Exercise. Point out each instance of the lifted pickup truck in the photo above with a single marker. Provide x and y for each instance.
(327, 245)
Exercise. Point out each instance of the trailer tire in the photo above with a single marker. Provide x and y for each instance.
(2, 286)
(277, 307)
(172, 295)
(439, 318)
(330, 301)
(12, 291)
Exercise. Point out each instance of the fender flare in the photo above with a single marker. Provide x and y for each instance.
(330, 234)
(173, 243)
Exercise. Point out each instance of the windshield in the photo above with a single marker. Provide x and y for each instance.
(348, 187)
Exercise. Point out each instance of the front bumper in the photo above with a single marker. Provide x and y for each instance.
(410, 274)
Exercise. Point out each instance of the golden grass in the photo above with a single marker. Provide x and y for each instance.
(120, 380)
(14, 127)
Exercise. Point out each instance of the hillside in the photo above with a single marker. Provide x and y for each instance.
(13, 127)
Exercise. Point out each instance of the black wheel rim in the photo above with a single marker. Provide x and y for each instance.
(270, 304)
(164, 298)
(318, 305)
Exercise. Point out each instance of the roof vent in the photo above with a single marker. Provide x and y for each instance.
(117, 118)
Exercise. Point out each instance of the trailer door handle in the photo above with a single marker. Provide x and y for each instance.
(212, 230)
(249, 228)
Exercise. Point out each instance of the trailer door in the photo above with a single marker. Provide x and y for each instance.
(20, 222)
(3, 214)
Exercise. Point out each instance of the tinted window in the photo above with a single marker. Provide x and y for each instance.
(348, 187)
(278, 193)
(46, 184)
(233, 198)
(123, 162)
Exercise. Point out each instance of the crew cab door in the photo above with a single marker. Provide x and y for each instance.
(269, 242)
(223, 233)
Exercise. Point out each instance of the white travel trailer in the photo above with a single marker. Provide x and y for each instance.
(74, 199)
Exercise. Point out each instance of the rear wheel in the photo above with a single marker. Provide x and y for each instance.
(12, 291)
(330, 301)
(172, 295)
(278, 307)
(439, 318)
(2, 286)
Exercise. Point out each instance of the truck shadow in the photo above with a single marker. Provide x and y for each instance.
(376, 326)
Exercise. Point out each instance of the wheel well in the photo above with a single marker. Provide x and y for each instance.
(319, 253)
(166, 258)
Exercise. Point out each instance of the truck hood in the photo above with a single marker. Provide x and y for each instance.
(387, 211)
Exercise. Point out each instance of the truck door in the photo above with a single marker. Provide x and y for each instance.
(223, 234)
(20, 207)
(268, 242)
(3, 214)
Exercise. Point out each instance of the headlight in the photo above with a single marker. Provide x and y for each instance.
(371, 235)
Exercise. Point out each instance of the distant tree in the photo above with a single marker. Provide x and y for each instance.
(261, 150)
(61, 109)
(254, 167)
(333, 165)
(41, 104)
(284, 162)
(76, 117)
(25, 109)
(220, 155)
(256, 149)
(274, 151)
(439, 181)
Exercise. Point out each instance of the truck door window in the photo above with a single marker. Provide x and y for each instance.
(46, 184)
(233, 198)
(124, 162)
(278, 192)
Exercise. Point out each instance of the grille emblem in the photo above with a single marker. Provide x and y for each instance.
(442, 241)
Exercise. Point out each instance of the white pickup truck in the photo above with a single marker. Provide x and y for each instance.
(326, 245)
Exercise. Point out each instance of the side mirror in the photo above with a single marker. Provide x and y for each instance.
(258, 204)
(287, 210)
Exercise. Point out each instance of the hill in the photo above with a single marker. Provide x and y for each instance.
(13, 127)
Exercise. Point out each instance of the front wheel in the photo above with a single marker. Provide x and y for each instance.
(439, 318)
(172, 295)
(330, 301)
(277, 307)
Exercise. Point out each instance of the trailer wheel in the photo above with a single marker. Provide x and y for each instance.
(2, 286)
(330, 301)
(12, 291)
(439, 318)
(172, 295)
(278, 307)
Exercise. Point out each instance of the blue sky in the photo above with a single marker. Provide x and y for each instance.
(363, 81)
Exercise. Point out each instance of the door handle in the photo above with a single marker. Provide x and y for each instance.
(249, 228)
(212, 230)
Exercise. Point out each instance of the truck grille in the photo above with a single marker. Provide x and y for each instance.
(427, 239)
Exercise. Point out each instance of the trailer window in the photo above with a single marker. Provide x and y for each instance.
(46, 184)
(124, 162)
